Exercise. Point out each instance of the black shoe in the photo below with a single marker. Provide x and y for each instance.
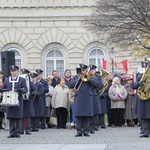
(96, 129)
(86, 134)
(92, 132)
(49, 126)
(17, 136)
(144, 135)
(64, 127)
(103, 127)
(43, 127)
(22, 132)
(10, 136)
(28, 133)
(58, 127)
(78, 135)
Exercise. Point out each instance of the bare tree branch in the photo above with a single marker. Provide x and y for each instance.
(127, 22)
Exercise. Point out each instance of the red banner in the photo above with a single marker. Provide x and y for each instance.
(125, 65)
(104, 62)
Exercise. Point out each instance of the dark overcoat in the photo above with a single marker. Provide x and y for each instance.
(103, 101)
(83, 98)
(143, 107)
(16, 111)
(28, 108)
(37, 99)
(96, 95)
(46, 90)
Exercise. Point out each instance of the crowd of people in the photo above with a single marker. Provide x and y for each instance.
(74, 99)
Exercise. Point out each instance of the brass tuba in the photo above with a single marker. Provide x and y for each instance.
(143, 92)
(104, 75)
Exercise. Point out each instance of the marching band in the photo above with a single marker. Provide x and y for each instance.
(89, 95)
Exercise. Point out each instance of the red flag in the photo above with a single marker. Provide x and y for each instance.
(115, 64)
(104, 64)
(125, 65)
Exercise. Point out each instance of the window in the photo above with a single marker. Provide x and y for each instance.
(95, 57)
(55, 61)
(18, 58)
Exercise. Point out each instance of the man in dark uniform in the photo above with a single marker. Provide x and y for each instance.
(83, 100)
(96, 100)
(36, 96)
(46, 90)
(15, 113)
(28, 110)
(141, 107)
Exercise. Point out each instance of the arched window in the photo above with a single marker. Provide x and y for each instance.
(18, 57)
(54, 60)
(95, 57)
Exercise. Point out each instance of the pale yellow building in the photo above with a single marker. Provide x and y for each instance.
(50, 34)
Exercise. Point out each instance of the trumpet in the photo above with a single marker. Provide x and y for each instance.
(82, 78)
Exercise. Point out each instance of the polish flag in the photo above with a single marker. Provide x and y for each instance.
(125, 65)
(115, 64)
(104, 63)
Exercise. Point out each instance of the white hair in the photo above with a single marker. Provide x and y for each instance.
(114, 80)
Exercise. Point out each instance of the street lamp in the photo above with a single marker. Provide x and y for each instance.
(112, 54)
(144, 63)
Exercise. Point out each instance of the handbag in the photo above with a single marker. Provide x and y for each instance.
(53, 118)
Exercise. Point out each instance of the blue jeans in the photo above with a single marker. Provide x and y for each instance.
(73, 117)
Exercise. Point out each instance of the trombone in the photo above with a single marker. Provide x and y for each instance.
(82, 78)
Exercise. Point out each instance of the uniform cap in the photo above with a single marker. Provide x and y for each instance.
(14, 67)
(39, 71)
(33, 75)
(83, 67)
(25, 71)
(92, 67)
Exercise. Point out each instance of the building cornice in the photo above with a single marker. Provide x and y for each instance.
(45, 3)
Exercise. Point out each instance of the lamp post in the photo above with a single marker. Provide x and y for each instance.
(112, 54)
(144, 62)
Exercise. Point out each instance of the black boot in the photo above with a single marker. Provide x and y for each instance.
(1, 125)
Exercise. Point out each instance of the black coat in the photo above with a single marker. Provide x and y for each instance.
(96, 95)
(83, 98)
(142, 107)
(28, 108)
(37, 99)
(45, 90)
(16, 111)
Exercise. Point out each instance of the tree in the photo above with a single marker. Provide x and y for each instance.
(123, 22)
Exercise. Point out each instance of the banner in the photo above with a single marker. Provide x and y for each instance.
(115, 64)
(104, 62)
(125, 65)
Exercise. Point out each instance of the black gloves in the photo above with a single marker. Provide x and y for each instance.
(34, 93)
(3, 90)
(141, 83)
(19, 90)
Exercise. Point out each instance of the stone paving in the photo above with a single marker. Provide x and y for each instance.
(120, 138)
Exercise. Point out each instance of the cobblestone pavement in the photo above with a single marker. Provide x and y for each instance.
(120, 138)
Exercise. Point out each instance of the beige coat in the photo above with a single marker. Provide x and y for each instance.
(49, 97)
(60, 97)
(71, 96)
(113, 91)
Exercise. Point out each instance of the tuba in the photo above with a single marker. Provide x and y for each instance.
(104, 75)
(143, 92)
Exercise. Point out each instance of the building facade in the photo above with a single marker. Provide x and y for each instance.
(50, 34)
